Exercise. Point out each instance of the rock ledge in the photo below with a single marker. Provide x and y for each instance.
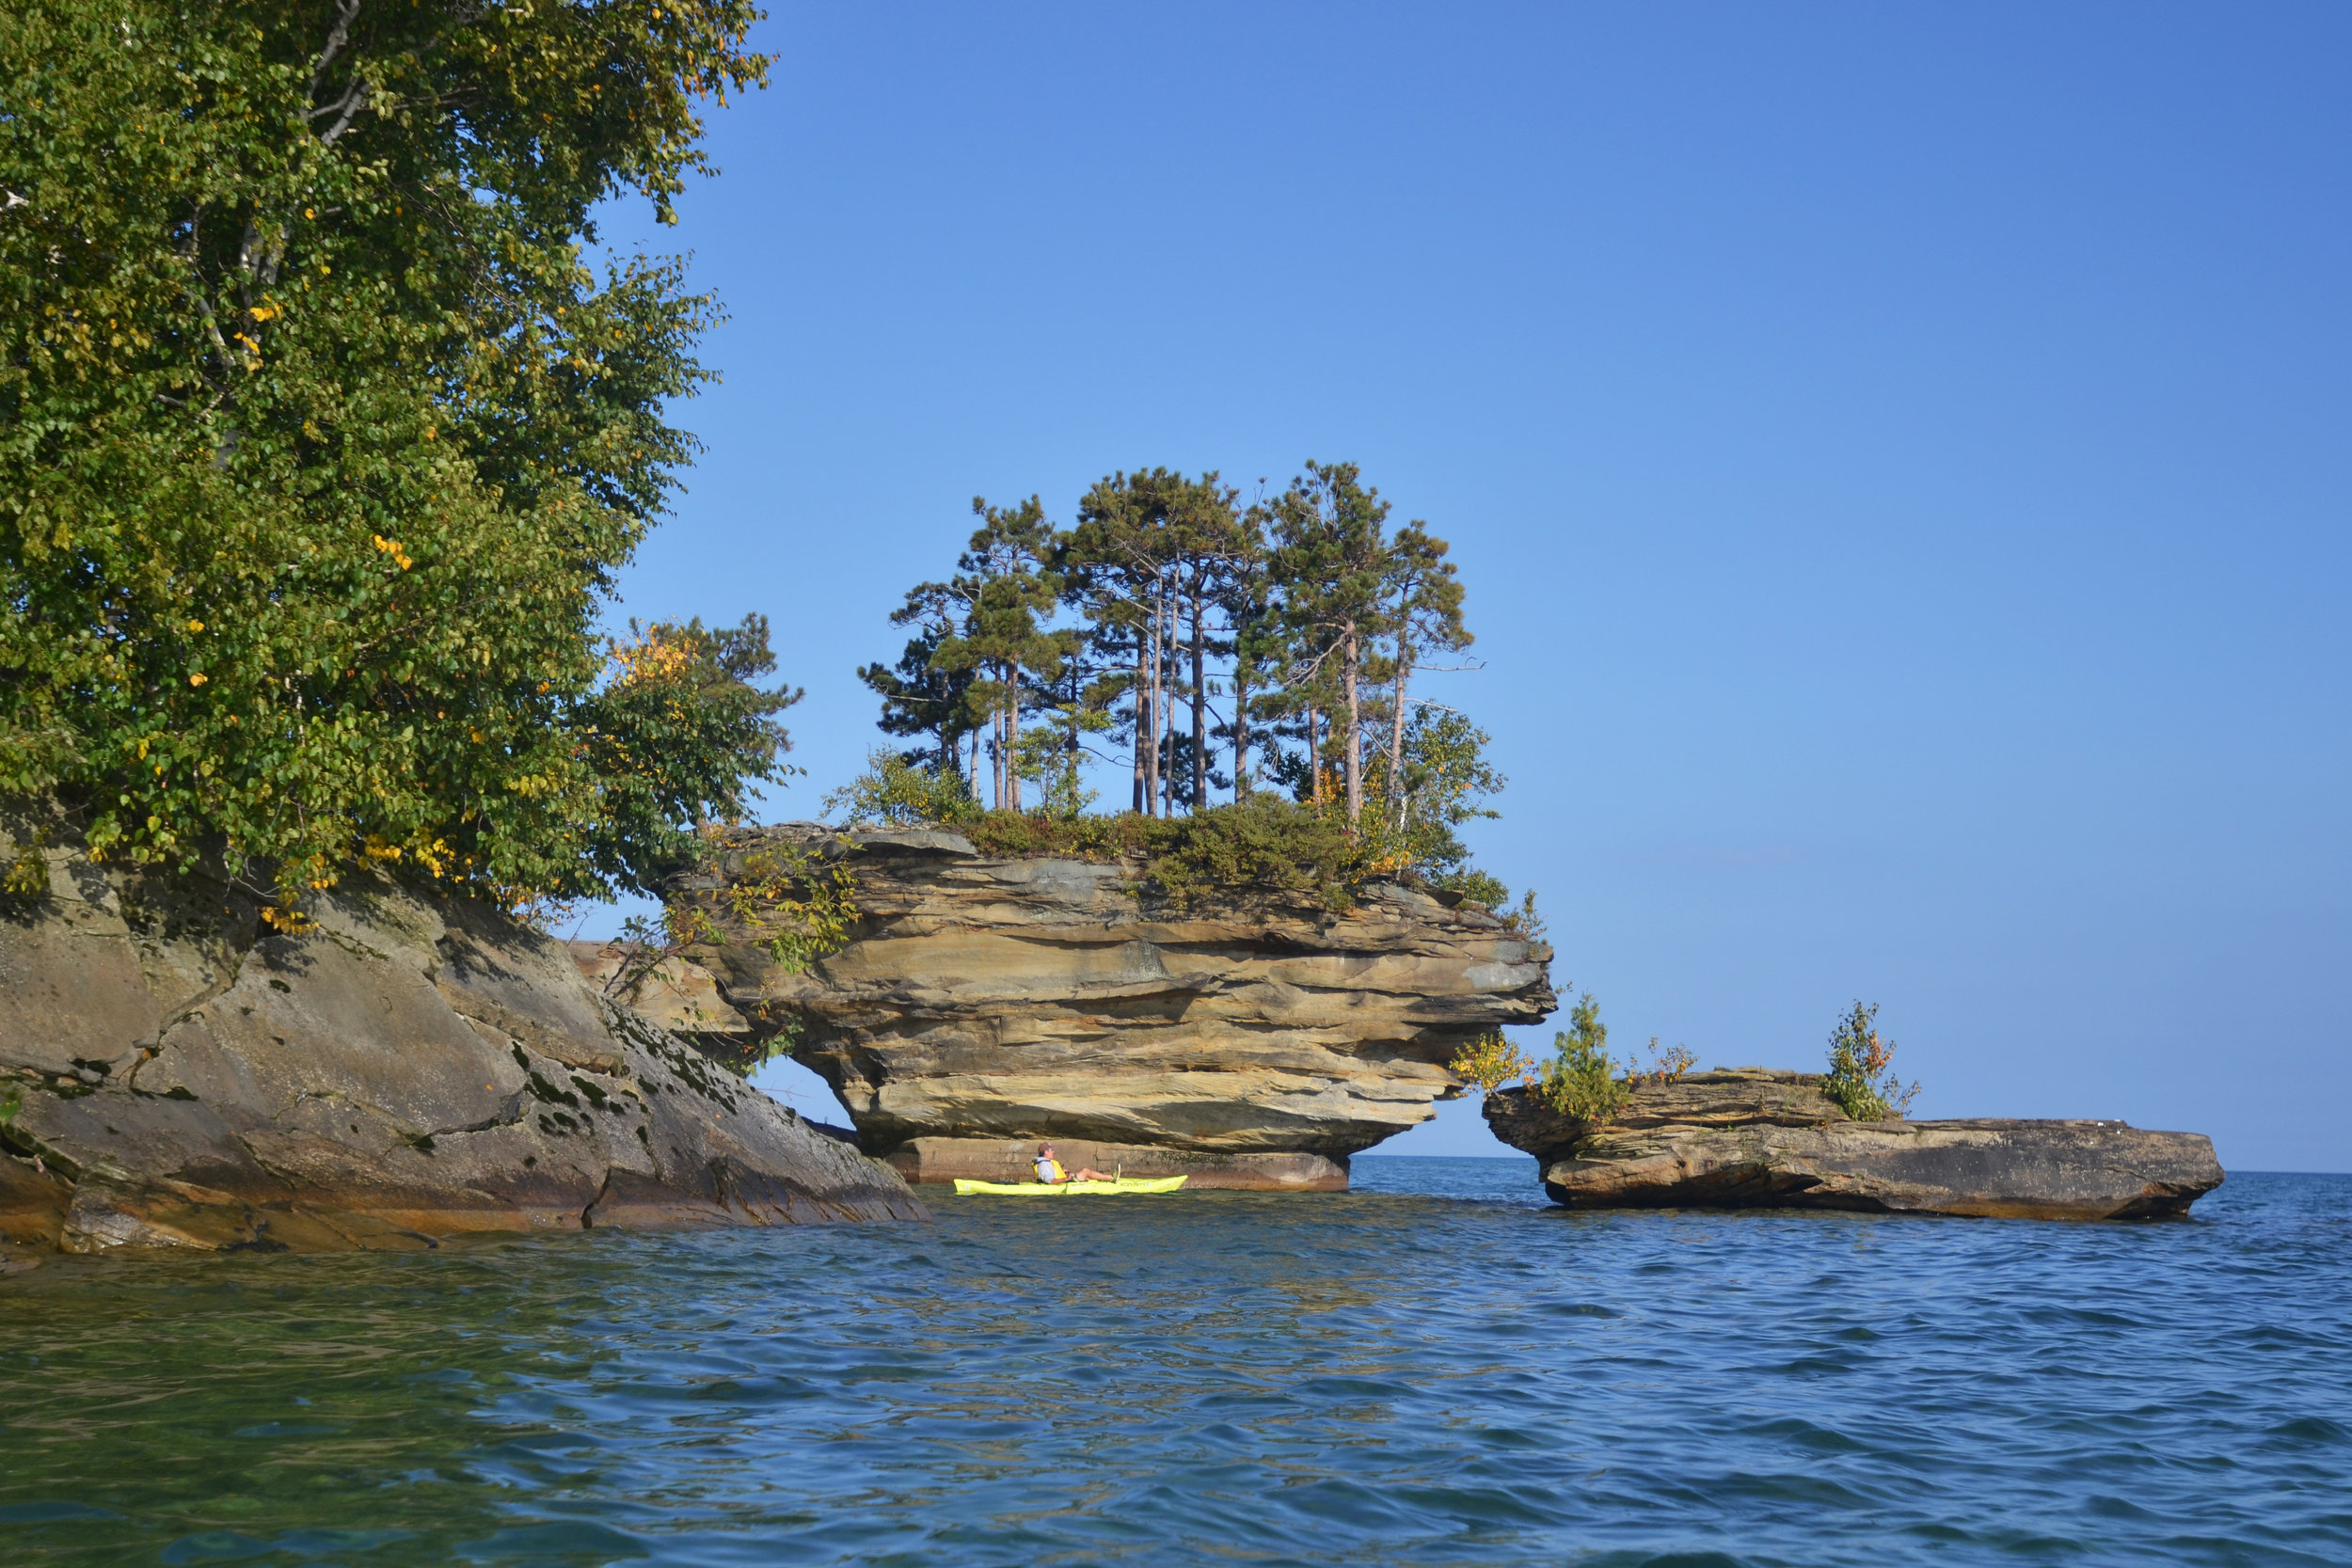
(1752, 1137)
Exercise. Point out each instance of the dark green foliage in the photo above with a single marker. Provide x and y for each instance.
(677, 736)
(919, 696)
(319, 447)
(1316, 617)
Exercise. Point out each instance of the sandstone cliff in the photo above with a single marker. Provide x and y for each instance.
(1752, 1137)
(1248, 1039)
(172, 1072)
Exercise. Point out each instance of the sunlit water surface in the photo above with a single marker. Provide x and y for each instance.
(1433, 1369)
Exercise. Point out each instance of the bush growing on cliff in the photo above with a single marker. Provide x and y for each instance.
(894, 792)
(1580, 1079)
(1491, 1061)
(1862, 1078)
(319, 447)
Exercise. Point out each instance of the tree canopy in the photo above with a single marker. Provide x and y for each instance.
(320, 442)
(1172, 619)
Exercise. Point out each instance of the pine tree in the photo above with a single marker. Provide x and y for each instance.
(1422, 608)
(1006, 578)
(1328, 565)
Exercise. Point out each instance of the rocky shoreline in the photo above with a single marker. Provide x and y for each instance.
(173, 1072)
(1753, 1137)
(1252, 1039)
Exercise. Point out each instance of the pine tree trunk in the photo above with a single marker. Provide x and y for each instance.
(1396, 727)
(1151, 752)
(1353, 758)
(1013, 742)
(1199, 708)
(996, 752)
(1143, 725)
(1314, 759)
(1241, 728)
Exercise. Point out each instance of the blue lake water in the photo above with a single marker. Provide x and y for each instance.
(1437, 1367)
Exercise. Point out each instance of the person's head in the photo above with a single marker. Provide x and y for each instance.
(1045, 1151)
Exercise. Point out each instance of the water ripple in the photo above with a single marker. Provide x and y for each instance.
(1434, 1369)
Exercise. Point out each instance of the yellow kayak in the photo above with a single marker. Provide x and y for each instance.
(1063, 1189)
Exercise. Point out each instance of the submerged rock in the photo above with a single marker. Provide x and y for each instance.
(1752, 1137)
(175, 1073)
(1251, 1040)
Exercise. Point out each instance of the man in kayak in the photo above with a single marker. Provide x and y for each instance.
(1050, 1172)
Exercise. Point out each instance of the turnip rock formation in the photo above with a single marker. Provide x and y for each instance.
(1753, 1137)
(1249, 1038)
(173, 1072)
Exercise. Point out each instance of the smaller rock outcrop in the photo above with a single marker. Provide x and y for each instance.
(173, 1072)
(1751, 1137)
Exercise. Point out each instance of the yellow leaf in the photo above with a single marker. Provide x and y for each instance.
(196, 679)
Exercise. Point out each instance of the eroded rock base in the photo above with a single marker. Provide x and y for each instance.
(937, 1161)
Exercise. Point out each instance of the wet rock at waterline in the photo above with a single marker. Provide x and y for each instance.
(991, 999)
(1752, 1137)
(175, 1073)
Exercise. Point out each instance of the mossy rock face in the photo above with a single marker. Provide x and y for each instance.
(999, 997)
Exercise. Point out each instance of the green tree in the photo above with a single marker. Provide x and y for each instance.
(1118, 562)
(1580, 1079)
(320, 445)
(677, 736)
(1442, 782)
(1006, 583)
(919, 696)
(1330, 564)
(1423, 610)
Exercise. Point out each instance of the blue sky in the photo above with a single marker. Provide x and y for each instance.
(1898, 454)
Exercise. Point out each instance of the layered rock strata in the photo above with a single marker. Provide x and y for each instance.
(1251, 1039)
(1752, 1137)
(175, 1073)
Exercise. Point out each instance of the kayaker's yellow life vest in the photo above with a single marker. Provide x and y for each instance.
(1048, 1170)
